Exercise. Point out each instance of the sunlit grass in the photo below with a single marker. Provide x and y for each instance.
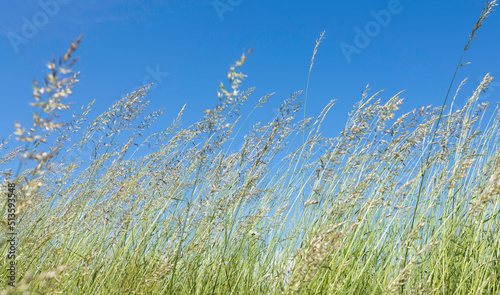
(396, 203)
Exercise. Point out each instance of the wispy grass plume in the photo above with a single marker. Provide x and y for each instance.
(395, 203)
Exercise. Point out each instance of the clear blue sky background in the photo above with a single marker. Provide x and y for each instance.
(192, 44)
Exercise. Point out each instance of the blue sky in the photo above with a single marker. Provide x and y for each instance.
(186, 47)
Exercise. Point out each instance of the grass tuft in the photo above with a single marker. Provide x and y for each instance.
(396, 203)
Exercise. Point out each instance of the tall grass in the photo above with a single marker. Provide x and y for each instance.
(396, 203)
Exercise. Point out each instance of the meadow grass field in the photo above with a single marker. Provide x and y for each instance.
(397, 203)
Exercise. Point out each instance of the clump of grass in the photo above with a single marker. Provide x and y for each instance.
(396, 203)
